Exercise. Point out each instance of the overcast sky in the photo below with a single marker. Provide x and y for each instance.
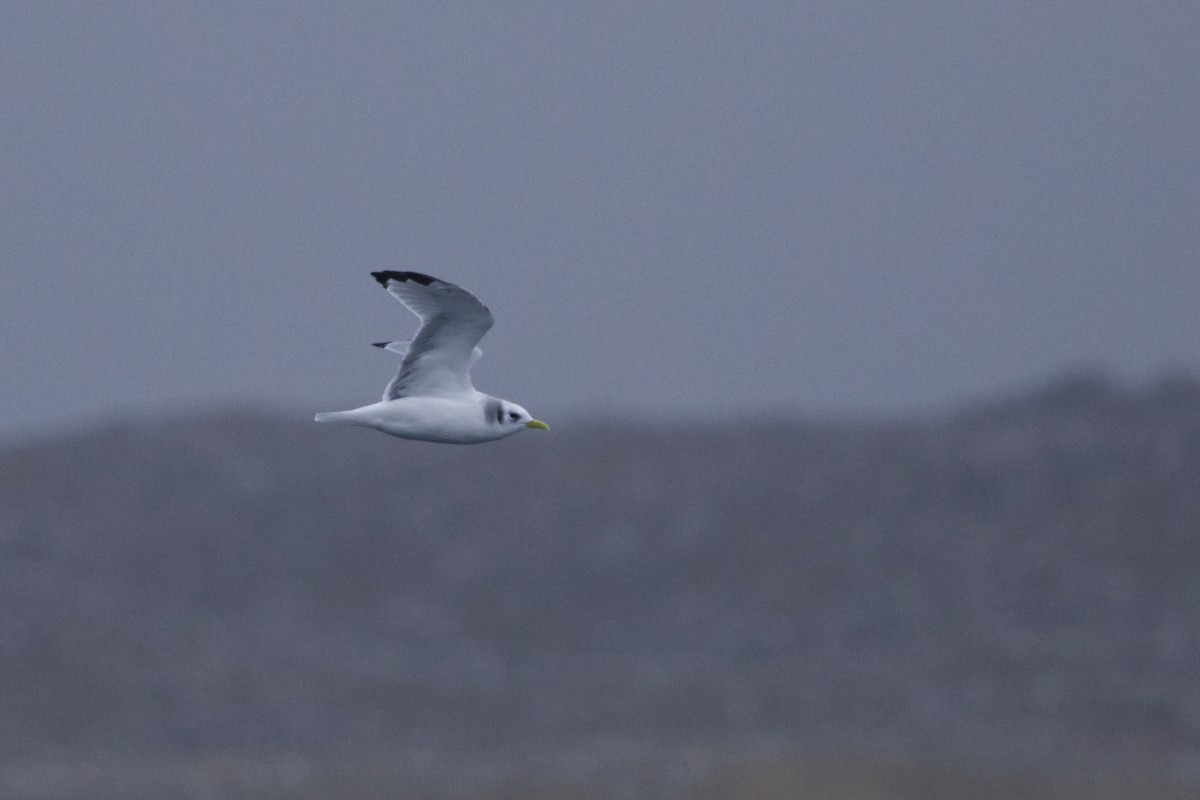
(703, 207)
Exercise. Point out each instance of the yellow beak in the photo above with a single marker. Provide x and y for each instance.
(537, 423)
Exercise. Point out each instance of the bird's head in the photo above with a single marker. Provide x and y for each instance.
(514, 415)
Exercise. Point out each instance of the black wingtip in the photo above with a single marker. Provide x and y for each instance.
(380, 344)
(390, 275)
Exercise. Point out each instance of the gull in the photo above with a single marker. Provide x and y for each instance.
(431, 398)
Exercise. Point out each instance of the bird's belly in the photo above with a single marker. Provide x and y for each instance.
(437, 420)
(442, 434)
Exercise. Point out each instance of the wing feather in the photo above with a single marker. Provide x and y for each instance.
(437, 362)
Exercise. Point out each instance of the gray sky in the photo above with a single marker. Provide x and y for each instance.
(708, 207)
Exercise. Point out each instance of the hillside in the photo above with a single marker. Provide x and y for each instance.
(1014, 587)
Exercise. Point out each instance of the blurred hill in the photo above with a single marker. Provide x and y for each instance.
(1011, 588)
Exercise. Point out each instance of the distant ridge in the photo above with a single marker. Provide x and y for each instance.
(1010, 585)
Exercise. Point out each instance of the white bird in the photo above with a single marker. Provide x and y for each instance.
(432, 398)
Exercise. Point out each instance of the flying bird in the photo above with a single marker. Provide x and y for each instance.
(432, 398)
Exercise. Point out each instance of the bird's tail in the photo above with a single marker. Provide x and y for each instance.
(330, 416)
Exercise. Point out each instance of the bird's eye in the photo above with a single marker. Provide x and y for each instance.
(513, 415)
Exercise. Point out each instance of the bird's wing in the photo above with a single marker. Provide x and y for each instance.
(438, 360)
(400, 348)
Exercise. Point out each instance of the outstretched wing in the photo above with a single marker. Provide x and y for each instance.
(400, 348)
(438, 360)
